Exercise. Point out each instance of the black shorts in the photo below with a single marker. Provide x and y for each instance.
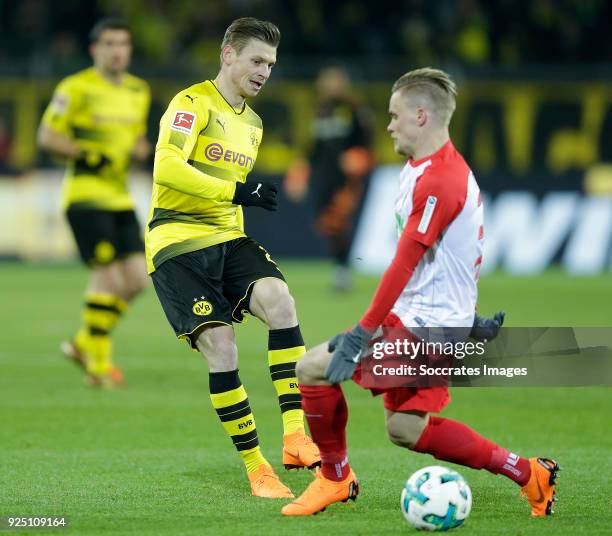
(211, 285)
(103, 236)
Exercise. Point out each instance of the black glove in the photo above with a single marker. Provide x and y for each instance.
(256, 194)
(486, 329)
(347, 350)
(90, 162)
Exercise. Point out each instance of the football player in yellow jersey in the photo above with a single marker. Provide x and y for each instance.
(97, 120)
(207, 273)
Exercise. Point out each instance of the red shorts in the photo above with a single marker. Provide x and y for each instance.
(426, 399)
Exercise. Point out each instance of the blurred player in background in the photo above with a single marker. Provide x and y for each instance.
(431, 283)
(207, 273)
(97, 120)
(338, 166)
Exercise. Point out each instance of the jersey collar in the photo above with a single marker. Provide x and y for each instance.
(231, 107)
(440, 153)
(106, 81)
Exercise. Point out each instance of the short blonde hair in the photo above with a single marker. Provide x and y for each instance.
(241, 31)
(433, 84)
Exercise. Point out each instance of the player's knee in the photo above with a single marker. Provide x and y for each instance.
(218, 346)
(277, 304)
(107, 279)
(404, 434)
(301, 371)
(135, 278)
(310, 369)
(402, 438)
(282, 304)
(305, 371)
(137, 282)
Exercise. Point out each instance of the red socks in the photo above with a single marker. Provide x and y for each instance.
(455, 442)
(507, 463)
(326, 411)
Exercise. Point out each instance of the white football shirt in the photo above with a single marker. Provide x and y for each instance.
(439, 205)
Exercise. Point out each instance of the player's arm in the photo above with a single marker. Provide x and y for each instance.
(178, 133)
(434, 208)
(172, 171)
(63, 145)
(179, 129)
(56, 142)
(54, 132)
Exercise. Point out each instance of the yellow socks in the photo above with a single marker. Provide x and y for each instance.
(285, 347)
(101, 313)
(230, 401)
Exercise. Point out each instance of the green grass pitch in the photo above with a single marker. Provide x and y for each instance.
(153, 458)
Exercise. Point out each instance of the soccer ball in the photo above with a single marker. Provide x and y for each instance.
(436, 498)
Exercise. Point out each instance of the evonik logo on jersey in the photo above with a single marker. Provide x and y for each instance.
(183, 122)
(215, 152)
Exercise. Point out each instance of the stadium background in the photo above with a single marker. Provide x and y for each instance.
(534, 120)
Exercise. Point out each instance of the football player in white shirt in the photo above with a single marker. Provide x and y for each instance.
(431, 283)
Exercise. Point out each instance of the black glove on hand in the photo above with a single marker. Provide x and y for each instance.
(256, 194)
(486, 329)
(347, 350)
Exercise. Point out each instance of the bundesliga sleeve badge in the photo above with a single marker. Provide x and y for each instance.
(430, 205)
(183, 122)
(59, 103)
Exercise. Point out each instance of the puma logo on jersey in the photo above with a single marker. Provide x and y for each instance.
(191, 98)
(256, 190)
(221, 124)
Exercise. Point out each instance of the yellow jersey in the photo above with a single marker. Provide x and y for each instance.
(205, 146)
(104, 119)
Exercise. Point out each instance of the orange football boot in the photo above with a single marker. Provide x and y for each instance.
(265, 483)
(75, 355)
(540, 490)
(321, 493)
(299, 451)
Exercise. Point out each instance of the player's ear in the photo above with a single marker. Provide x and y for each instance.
(421, 116)
(228, 54)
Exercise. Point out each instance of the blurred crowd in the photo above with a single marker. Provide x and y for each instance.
(468, 32)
